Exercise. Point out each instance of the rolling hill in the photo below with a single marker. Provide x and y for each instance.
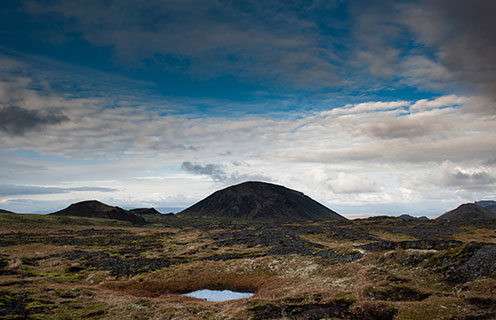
(260, 200)
(468, 211)
(97, 209)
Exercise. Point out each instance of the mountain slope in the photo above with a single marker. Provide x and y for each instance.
(260, 200)
(468, 211)
(488, 204)
(96, 209)
(146, 211)
(409, 217)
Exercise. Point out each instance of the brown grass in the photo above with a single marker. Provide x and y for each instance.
(389, 236)
(191, 277)
(476, 234)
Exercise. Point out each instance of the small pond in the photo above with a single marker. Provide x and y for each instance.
(218, 295)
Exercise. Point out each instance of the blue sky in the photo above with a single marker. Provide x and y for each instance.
(371, 107)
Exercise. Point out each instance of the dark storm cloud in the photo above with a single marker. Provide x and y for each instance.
(476, 179)
(410, 127)
(443, 44)
(11, 190)
(17, 121)
(217, 173)
(463, 35)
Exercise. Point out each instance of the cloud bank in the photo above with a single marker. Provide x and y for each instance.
(388, 152)
(17, 121)
(15, 190)
(219, 174)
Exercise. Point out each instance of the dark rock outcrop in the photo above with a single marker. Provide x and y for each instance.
(397, 293)
(120, 267)
(468, 211)
(412, 244)
(481, 262)
(334, 309)
(259, 200)
(282, 242)
(96, 209)
(329, 254)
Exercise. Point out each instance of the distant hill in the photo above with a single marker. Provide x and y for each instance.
(409, 217)
(146, 211)
(260, 200)
(5, 211)
(96, 209)
(468, 211)
(488, 204)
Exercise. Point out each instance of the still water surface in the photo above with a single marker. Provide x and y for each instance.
(218, 295)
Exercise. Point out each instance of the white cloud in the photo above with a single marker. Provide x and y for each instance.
(459, 177)
(366, 107)
(443, 101)
(422, 72)
(349, 183)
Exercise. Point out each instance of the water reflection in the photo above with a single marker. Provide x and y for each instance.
(218, 295)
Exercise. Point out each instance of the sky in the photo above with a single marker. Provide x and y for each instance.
(369, 107)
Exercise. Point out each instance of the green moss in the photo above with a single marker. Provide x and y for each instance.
(12, 317)
(67, 294)
(346, 297)
(296, 310)
(447, 257)
(61, 277)
(33, 305)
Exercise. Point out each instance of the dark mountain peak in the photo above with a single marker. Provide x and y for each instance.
(97, 209)
(468, 211)
(93, 205)
(260, 200)
(258, 186)
(148, 211)
(5, 211)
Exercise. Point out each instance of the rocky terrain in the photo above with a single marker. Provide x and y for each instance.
(259, 200)
(66, 267)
